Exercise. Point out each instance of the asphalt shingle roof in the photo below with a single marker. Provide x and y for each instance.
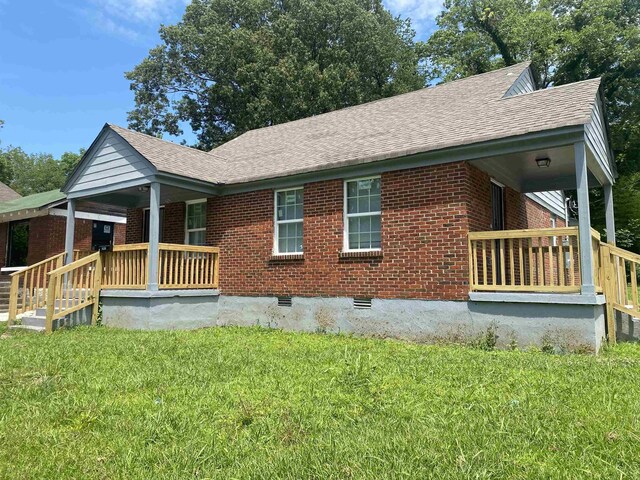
(461, 112)
(35, 201)
(7, 193)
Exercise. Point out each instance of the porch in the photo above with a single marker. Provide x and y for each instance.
(59, 294)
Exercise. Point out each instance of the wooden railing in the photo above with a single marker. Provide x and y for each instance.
(72, 288)
(126, 267)
(29, 286)
(536, 260)
(620, 281)
(186, 266)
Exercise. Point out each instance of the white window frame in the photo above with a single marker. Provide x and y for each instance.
(277, 222)
(186, 219)
(346, 216)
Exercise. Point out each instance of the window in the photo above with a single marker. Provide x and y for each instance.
(196, 222)
(362, 214)
(145, 225)
(288, 221)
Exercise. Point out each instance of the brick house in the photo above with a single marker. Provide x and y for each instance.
(433, 214)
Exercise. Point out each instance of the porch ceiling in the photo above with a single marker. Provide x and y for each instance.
(521, 172)
(138, 197)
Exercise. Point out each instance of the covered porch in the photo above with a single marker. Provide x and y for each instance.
(557, 267)
(125, 279)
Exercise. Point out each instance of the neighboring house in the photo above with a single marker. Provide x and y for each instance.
(364, 219)
(32, 228)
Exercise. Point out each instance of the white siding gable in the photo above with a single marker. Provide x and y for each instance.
(112, 161)
(551, 200)
(596, 136)
(523, 84)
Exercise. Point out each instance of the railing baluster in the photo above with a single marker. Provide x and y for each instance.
(521, 261)
(512, 270)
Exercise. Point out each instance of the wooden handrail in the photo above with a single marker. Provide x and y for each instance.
(78, 263)
(74, 287)
(32, 281)
(535, 232)
(40, 263)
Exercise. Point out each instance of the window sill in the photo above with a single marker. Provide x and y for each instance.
(278, 257)
(361, 254)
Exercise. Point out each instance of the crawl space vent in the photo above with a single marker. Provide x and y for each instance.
(362, 303)
(284, 301)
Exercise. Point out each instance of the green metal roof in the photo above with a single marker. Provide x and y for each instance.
(32, 202)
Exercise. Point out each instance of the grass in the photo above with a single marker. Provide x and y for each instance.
(255, 403)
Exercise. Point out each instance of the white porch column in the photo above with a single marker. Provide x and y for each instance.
(611, 223)
(154, 234)
(584, 218)
(70, 230)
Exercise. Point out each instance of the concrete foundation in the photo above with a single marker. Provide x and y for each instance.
(160, 310)
(558, 326)
(627, 327)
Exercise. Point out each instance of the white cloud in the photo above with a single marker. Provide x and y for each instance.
(139, 11)
(421, 12)
(132, 19)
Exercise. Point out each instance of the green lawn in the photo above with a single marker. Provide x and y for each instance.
(253, 403)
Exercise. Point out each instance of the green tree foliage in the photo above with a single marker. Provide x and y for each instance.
(33, 173)
(568, 41)
(230, 66)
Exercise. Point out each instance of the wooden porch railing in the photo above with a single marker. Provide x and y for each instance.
(29, 286)
(74, 287)
(620, 280)
(126, 267)
(186, 266)
(535, 260)
(64, 289)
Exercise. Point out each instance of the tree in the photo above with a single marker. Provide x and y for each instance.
(568, 41)
(231, 66)
(33, 173)
(68, 161)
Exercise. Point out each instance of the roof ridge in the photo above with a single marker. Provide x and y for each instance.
(146, 135)
(555, 87)
(524, 65)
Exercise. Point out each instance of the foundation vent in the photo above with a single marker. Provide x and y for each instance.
(284, 301)
(362, 303)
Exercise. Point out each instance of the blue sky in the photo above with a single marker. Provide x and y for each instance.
(62, 64)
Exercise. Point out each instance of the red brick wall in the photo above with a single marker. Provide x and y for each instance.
(134, 225)
(119, 234)
(47, 234)
(174, 223)
(520, 211)
(173, 229)
(423, 241)
(426, 214)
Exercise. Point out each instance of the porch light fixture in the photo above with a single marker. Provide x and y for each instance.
(543, 162)
(143, 189)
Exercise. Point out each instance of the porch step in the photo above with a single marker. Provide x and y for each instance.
(31, 328)
(34, 321)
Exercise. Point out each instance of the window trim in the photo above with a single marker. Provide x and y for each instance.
(186, 219)
(346, 216)
(275, 251)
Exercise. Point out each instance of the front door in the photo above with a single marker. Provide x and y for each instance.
(101, 235)
(497, 222)
(18, 244)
